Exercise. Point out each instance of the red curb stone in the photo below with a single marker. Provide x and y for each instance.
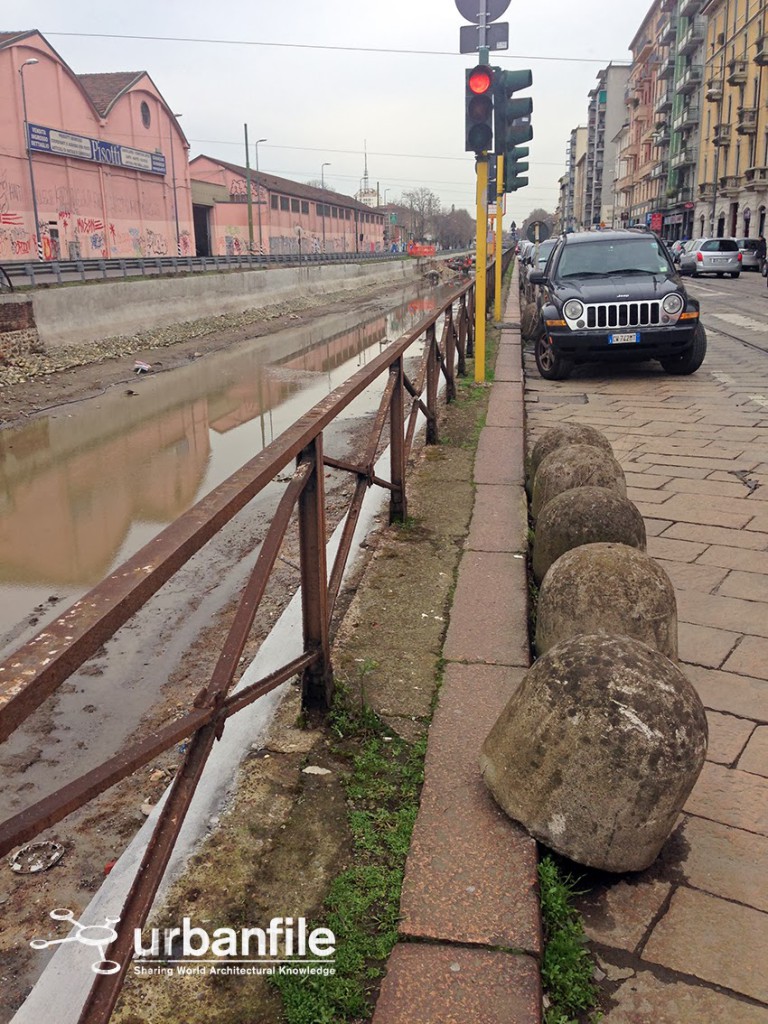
(505, 406)
(508, 368)
(489, 617)
(470, 877)
(499, 519)
(499, 458)
(428, 984)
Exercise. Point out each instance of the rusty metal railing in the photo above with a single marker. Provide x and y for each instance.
(40, 666)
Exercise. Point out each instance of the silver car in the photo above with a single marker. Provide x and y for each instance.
(748, 249)
(711, 256)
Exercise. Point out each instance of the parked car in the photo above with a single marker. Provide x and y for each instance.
(748, 249)
(676, 248)
(610, 293)
(535, 262)
(719, 256)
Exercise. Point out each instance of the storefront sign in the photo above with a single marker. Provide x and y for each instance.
(81, 147)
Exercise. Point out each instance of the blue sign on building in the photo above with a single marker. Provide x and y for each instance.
(82, 147)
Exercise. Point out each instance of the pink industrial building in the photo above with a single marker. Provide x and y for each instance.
(112, 178)
(108, 161)
(284, 215)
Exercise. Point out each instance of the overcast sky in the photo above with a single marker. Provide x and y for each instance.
(320, 78)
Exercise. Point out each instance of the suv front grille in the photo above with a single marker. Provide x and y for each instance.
(623, 314)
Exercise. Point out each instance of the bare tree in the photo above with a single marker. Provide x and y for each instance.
(424, 206)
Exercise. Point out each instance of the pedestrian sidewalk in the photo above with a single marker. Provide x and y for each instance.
(683, 942)
(470, 933)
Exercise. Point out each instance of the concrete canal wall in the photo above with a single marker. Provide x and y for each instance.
(104, 309)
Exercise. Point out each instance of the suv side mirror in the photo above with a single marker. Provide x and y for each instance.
(537, 277)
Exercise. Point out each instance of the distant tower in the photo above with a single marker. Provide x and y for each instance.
(367, 195)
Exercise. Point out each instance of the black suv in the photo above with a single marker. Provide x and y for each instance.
(606, 293)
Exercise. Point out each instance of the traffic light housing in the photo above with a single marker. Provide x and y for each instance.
(514, 166)
(478, 105)
(512, 124)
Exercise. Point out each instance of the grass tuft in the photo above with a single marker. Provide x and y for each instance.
(567, 969)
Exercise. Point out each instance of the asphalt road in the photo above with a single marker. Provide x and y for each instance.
(736, 308)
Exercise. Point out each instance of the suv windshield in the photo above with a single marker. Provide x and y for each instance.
(617, 256)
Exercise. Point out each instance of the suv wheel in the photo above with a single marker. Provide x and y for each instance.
(691, 360)
(550, 365)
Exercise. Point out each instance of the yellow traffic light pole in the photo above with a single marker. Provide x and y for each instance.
(481, 266)
(499, 216)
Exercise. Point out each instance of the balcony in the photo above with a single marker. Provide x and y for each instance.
(706, 191)
(690, 80)
(693, 36)
(684, 158)
(729, 185)
(688, 8)
(747, 124)
(761, 54)
(642, 112)
(737, 72)
(625, 183)
(755, 177)
(664, 103)
(668, 31)
(721, 135)
(687, 118)
(683, 195)
(662, 136)
(667, 67)
(714, 91)
(660, 170)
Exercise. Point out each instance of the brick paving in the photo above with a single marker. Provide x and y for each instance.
(684, 941)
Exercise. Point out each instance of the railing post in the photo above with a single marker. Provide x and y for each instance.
(398, 505)
(433, 369)
(461, 366)
(450, 355)
(317, 680)
(470, 296)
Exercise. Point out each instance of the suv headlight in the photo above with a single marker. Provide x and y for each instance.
(672, 303)
(573, 309)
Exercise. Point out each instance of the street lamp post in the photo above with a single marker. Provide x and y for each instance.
(258, 193)
(322, 185)
(38, 239)
(173, 175)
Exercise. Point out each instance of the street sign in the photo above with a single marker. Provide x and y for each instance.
(471, 10)
(543, 231)
(496, 37)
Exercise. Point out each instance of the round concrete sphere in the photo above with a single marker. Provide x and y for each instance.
(575, 465)
(607, 588)
(557, 437)
(597, 750)
(584, 515)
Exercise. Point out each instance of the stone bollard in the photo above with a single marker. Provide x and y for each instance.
(597, 750)
(607, 588)
(584, 515)
(575, 465)
(559, 437)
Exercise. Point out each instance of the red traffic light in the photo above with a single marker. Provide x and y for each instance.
(480, 80)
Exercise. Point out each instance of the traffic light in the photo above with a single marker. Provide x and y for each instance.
(514, 166)
(512, 117)
(478, 100)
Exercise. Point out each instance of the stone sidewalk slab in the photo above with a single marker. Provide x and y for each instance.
(755, 756)
(731, 797)
(645, 999)
(726, 691)
(505, 406)
(471, 872)
(437, 984)
(706, 937)
(725, 861)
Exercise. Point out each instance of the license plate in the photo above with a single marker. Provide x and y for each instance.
(623, 339)
(720, 259)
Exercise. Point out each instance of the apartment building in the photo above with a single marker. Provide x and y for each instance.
(575, 175)
(605, 115)
(733, 155)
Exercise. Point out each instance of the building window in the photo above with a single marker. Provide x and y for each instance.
(304, 207)
(295, 206)
(284, 203)
(273, 202)
(335, 212)
(146, 117)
